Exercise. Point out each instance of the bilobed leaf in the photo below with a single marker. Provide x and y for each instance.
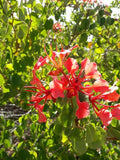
(38, 8)
(110, 20)
(22, 12)
(113, 133)
(101, 21)
(90, 133)
(48, 24)
(79, 145)
(16, 80)
(99, 138)
(22, 30)
(58, 129)
(67, 116)
(85, 24)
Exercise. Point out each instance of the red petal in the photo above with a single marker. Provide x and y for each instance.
(106, 117)
(71, 65)
(39, 107)
(116, 113)
(111, 96)
(83, 110)
(41, 61)
(56, 88)
(55, 72)
(42, 117)
(91, 70)
(84, 63)
(101, 85)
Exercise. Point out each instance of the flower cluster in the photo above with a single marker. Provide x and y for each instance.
(57, 27)
(68, 80)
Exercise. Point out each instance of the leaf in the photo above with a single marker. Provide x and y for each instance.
(101, 21)
(113, 133)
(16, 80)
(67, 116)
(99, 139)
(58, 129)
(33, 153)
(110, 21)
(9, 66)
(83, 37)
(48, 24)
(38, 8)
(2, 81)
(90, 133)
(85, 24)
(22, 12)
(19, 131)
(79, 145)
(22, 30)
(7, 143)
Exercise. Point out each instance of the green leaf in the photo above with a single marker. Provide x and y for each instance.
(101, 21)
(16, 80)
(48, 24)
(19, 131)
(110, 21)
(83, 37)
(33, 153)
(114, 122)
(9, 66)
(38, 8)
(23, 154)
(22, 12)
(67, 115)
(22, 30)
(85, 24)
(58, 129)
(79, 145)
(7, 143)
(99, 139)
(113, 133)
(90, 133)
(57, 15)
(2, 81)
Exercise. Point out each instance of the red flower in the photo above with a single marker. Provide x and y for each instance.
(116, 113)
(105, 116)
(57, 27)
(41, 61)
(58, 59)
(42, 117)
(71, 65)
(88, 82)
(83, 109)
(57, 88)
(90, 69)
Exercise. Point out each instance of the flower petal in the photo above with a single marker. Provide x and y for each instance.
(111, 96)
(42, 117)
(41, 61)
(56, 88)
(83, 110)
(116, 113)
(101, 85)
(71, 65)
(105, 116)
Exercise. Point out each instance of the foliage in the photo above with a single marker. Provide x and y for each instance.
(24, 30)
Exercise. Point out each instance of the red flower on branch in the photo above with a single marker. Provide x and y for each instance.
(57, 27)
(69, 80)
